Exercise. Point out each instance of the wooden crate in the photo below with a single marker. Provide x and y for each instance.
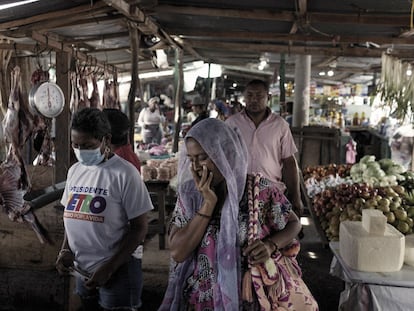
(317, 145)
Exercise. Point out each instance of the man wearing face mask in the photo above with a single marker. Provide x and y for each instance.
(105, 203)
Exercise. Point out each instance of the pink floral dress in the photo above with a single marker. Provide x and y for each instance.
(290, 291)
(280, 288)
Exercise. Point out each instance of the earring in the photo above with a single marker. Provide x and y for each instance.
(107, 151)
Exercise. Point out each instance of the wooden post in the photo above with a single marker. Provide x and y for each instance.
(135, 88)
(282, 80)
(62, 131)
(178, 89)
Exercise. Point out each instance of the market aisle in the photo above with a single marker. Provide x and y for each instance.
(155, 266)
(314, 260)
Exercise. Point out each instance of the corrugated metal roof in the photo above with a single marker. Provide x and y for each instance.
(346, 35)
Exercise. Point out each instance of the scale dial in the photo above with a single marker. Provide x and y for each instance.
(47, 99)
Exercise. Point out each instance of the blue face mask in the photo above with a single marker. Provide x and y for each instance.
(89, 157)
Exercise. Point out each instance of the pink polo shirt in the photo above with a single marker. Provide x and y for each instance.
(268, 144)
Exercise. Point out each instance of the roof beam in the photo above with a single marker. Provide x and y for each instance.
(82, 9)
(58, 23)
(81, 39)
(255, 36)
(132, 12)
(145, 24)
(309, 50)
(290, 16)
(60, 46)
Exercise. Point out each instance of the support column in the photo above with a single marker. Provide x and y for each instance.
(62, 145)
(178, 95)
(302, 91)
(282, 75)
(135, 87)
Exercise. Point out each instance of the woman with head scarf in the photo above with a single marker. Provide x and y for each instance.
(212, 247)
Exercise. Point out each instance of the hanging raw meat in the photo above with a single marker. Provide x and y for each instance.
(43, 143)
(116, 91)
(95, 99)
(110, 97)
(107, 101)
(74, 92)
(41, 129)
(18, 124)
(14, 180)
(11, 119)
(11, 197)
(83, 91)
(39, 75)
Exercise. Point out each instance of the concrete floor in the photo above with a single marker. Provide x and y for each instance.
(314, 260)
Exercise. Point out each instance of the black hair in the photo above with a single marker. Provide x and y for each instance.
(91, 121)
(258, 82)
(289, 107)
(120, 125)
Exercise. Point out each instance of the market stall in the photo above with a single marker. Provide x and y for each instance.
(372, 290)
(340, 192)
(364, 212)
(159, 174)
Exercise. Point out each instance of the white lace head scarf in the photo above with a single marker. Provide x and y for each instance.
(227, 151)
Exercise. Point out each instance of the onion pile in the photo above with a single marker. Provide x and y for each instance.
(320, 171)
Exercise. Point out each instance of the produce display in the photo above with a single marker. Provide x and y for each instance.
(340, 192)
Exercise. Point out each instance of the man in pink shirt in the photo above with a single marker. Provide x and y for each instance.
(270, 142)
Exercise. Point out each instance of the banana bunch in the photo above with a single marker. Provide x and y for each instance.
(408, 184)
(409, 197)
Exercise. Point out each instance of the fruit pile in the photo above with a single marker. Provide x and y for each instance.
(320, 171)
(345, 201)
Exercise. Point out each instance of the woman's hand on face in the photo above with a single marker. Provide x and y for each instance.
(203, 184)
(258, 252)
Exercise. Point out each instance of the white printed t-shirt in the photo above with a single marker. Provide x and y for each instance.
(99, 201)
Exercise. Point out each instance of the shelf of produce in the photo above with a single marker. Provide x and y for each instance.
(336, 193)
(308, 203)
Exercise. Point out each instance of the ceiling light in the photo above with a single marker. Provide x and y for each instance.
(330, 73)
(409, 72)
(322, 73)
(155, 74)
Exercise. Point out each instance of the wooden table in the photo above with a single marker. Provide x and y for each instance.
(159, 188)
